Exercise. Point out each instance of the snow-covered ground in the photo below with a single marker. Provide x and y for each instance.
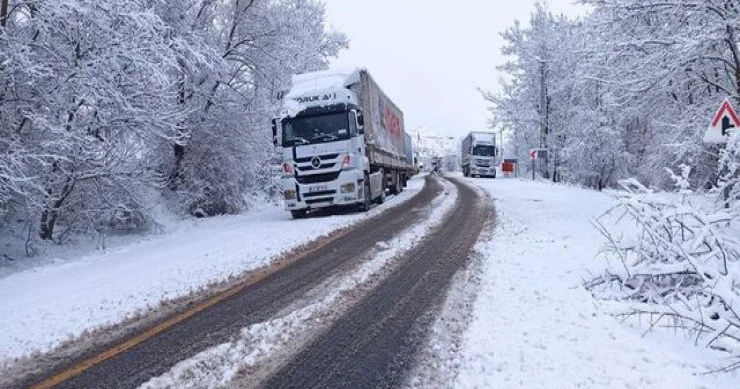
(277, 339)
(46, 305)
(534, 326)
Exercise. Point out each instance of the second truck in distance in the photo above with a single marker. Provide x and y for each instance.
(343, 142)
(480, 156)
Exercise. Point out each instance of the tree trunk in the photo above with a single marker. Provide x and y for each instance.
(48, 220)
(51, 212)
(176, 174)
(4, 13)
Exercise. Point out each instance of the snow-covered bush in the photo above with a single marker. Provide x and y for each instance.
(674, 258)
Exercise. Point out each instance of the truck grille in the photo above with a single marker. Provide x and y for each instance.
(322, 167)
(321, 157)
(319, 194)
(311, 202)
(316, 178)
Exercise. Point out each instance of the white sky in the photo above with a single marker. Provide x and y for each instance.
(430, 56)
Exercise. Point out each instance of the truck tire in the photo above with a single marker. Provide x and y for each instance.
(398, 186)
(465, 172)
(367, 200)
(381, 198)
(299, 214)
(395, 179)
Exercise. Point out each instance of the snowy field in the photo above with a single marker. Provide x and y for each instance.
(534, 326)
(46, 305)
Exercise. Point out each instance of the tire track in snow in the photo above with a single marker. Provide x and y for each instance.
(257, 303)
(262, 347)
(375, 343)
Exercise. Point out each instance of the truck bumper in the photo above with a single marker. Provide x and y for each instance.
(483, 171)
(348, 189)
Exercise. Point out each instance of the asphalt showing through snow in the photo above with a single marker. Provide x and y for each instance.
(259, 302)
(374, 345)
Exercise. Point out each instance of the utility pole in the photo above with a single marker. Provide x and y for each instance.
(4, 13)
(543, 116)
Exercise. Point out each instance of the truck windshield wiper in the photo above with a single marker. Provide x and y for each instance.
(301, 140)
(327, 137)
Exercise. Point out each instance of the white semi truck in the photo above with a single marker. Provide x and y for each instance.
(480, 156)
(343, 142)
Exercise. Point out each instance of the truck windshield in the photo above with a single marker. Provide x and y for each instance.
(484, 151)
(315, 129)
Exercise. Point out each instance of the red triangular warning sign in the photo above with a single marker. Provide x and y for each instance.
(726, 110)
(724, 121)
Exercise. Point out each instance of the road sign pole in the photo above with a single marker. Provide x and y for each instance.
(533, 169)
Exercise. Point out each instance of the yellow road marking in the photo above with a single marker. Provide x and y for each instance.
(121, 348)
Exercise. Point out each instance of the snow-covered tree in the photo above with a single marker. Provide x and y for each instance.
(107, 104)
(622, 92)
(258, 44)
(90, 86)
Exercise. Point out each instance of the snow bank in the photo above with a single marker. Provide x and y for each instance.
(45, 306)
(535, 326)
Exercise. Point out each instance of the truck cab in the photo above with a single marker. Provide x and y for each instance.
(480, 156)
(328, 158)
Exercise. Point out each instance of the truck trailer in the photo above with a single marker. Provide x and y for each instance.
(343, 142)
(480, 156)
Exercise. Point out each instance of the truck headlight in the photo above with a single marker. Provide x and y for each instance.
(346, 162)
(348, 188)
(287, 170)
(290, 194)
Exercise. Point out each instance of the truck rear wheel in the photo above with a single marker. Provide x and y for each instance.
(395, 179)
(381, 198)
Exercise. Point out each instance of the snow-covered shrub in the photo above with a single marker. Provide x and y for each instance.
(674, 258)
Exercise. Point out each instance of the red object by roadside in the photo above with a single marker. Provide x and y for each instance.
(507, 167)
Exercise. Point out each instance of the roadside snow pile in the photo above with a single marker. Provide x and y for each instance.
(45, 306)
(535, 326)
(273, 341)
(679, 269)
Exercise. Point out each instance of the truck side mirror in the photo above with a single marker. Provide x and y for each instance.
(360, 123)
(274, 132)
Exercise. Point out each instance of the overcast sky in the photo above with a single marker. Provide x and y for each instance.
(431, 56)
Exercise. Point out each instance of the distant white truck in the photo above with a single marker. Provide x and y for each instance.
(343, 142)
(480, 156)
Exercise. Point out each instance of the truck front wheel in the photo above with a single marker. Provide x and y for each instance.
(368, 196)
(299, 214)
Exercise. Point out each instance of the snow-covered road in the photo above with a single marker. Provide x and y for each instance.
(263, 344)
(47, 305)
(534, 326)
